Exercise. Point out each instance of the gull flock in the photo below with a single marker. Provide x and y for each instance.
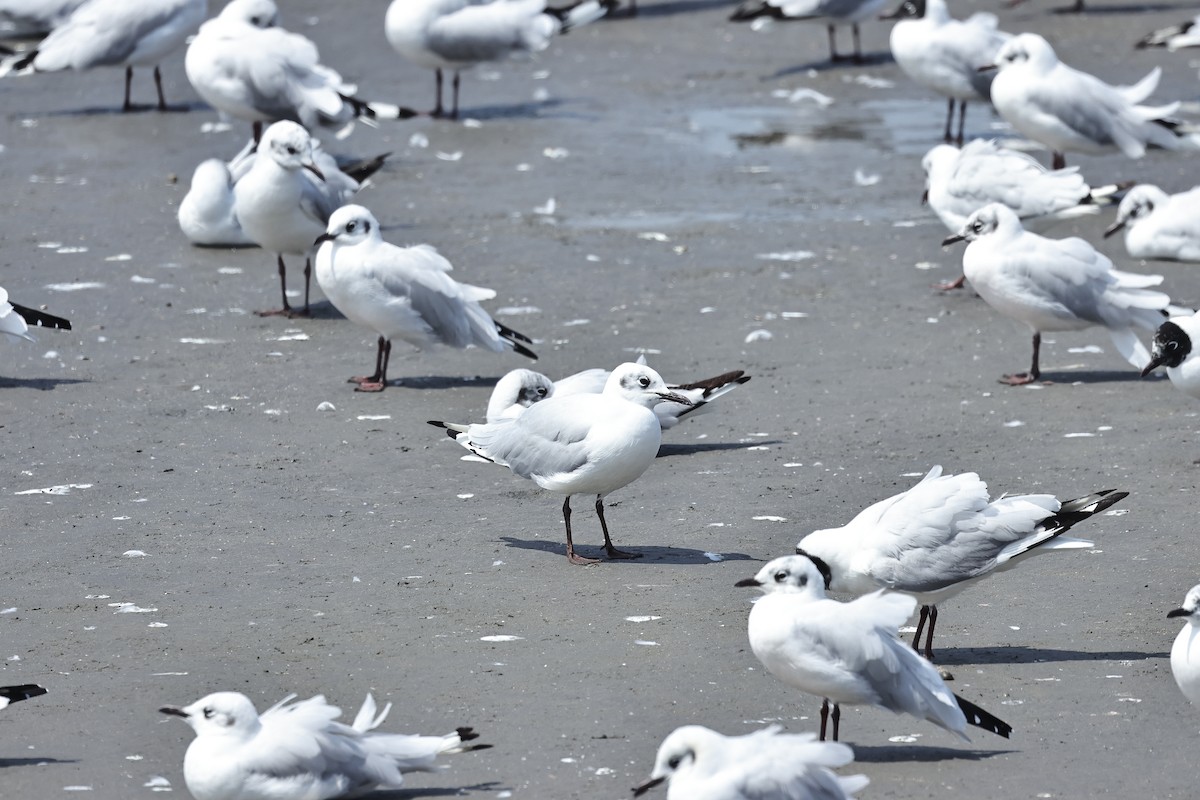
(828, 623)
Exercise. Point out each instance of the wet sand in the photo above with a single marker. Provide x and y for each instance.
(288, 549)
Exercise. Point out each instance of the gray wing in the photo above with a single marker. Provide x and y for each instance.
(548, 439)
(103, 34)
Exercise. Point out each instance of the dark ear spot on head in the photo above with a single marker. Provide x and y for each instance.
(821, 566)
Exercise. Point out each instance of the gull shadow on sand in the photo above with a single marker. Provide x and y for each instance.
(1128, 8)
(647, 11)
(138, 108)
(444, 382)
(553, 108)
(876, 59)
(882, 754)
(435, 791)
(33, 762)
(41, 384)
(953, 656)
(650, 555)
(667, 450)
(1091, 376)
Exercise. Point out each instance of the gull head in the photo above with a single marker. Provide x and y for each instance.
(258, 13)
(1025, 48)
(1190, 607)
(640, 384)
(938, 163)
(909, 9)
(992, 218)
(350, 225)
(289, 146)
(1138, 203)
(519, 388)
(677, 754)
(798, 574)
(1172, 344)
(221, 714)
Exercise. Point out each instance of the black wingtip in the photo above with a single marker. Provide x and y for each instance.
(437, 423)
(24, 691)
(41, 319)
(466, 734)
(515, 338)
(1073, 512)
(361, 170)
(982, 719)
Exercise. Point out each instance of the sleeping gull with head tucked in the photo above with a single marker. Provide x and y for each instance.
(590, 444)
(944, 535)
(242, 64)
(521, 388)
(848, 653)
(403, 293)
(700, 764)
(300, 750)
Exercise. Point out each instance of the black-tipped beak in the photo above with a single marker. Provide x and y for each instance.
(671, 397)
(1179, 612)
(313, 169)
(987, 68)
(1156, 361)
(174, 711)
(638, 791)
(1116, 226)
(324, 237)
(953, 239)
(745, 582)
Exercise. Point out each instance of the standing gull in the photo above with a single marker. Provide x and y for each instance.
(848, 652)
(1068, 110)
(1174, 348)
(1159, 225)
(403, 292)
(299, 750)
(831, 13)
(245, 66)
(944, 535)
(458, 34)
(208, 215)
(944, 54)
(1056, 285)
(115, 33)
(521, 388)
(279, 207)
(1185, 652)
(701, 764)
(589, 444)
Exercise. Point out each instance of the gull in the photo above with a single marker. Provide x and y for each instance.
(1185, 652)
(15, 319)
(589, 444)
(1056, 285)
(943, 536)
(958, 182)
(831, 13)
(848, 652)
(1068, 110)
(242, 64)
(402, 292)
(1174, 37)
(701, 764)
(21, 18)
(1173, 349)
(279, 207)
(1159, 225)
(298, 750)
(115, 33)
(458, 34)
(207, 214)
(944, 54)
(15, 694)
(521, 388)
